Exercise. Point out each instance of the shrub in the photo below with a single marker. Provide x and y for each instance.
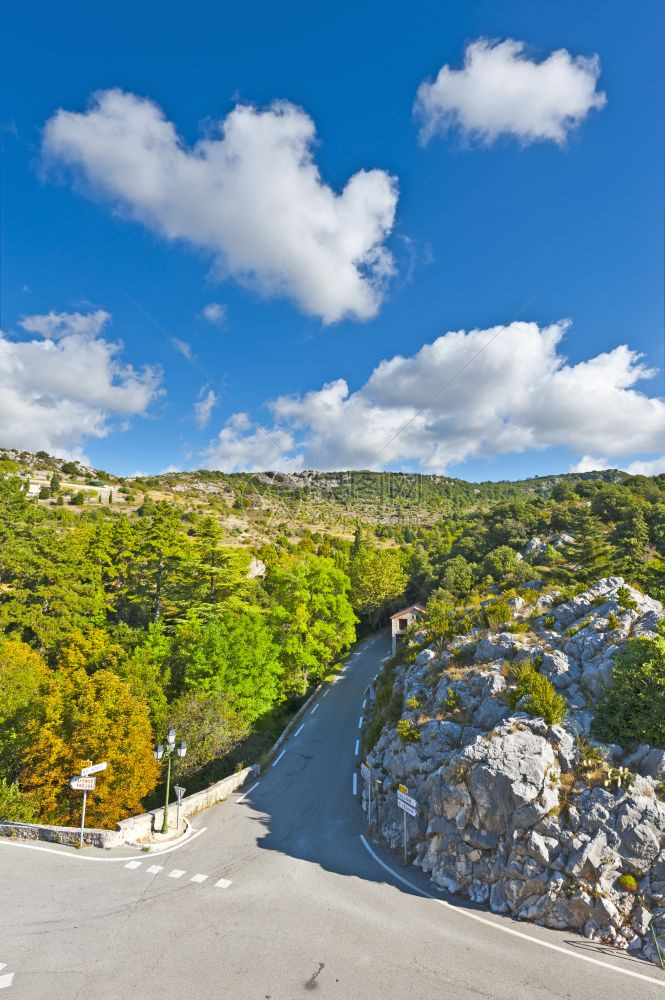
(451, 701)
(496, 613)
(412, 704)
(540, 696)
(628, 883)
(624, 599)
(549, 621)
(407, 732)
(633, 709)
(612, 621)
(15, 807)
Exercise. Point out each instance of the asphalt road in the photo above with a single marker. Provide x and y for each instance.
(276, 896)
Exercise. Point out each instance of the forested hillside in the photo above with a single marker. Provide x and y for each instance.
(214, 602)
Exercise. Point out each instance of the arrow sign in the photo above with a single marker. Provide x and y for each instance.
(93, 769)
(406, 807)
(407, 799)
(82, 784)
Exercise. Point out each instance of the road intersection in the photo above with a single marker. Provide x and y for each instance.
(279, 892)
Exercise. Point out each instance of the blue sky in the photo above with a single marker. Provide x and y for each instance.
(491, 219)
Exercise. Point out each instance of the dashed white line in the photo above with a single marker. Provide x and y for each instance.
(223, 883)
(314, 709)
(355, 783)
(357, 750)
(177, 873)
(245, 794)
(133, 864)
(198, 878)
(276, 762)
(364, 702)
(299, 730)
(360, 722)
(460, 911)
(6, 980)
(153, 869)
(325, 692)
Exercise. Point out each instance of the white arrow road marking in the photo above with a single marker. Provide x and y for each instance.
(177, 873)
(460, 911)
(223, 883)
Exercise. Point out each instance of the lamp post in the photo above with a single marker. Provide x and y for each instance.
(162, 752)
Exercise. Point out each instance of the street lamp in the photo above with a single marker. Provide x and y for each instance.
(167, 751)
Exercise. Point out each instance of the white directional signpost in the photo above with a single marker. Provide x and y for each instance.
(179, 792)
(408, 805)
(85, 782)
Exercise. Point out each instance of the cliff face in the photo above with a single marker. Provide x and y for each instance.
(536, 820)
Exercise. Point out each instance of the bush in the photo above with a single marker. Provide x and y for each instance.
(633, 709)
(540, 696)
(612, 621)
(451, 701)
(628, 883)
(407, 732)
(497, 613)
(412, 704)
(549, 621)
(624, 599)
(15, 807)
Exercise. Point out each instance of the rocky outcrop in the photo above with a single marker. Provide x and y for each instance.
(511, 811)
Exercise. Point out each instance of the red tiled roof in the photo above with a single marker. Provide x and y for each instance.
(411, 607)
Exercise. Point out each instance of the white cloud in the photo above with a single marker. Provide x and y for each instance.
(653, 467)
(67, 385)
(204, 406)
(500, 91)
(215, 313)
(467, 395)
(250, 193)
(242, 446)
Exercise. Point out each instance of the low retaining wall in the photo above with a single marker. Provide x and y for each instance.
(135, 828)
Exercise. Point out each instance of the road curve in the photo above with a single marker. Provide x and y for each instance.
(277, 895)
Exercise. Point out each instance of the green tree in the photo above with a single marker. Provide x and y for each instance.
(312, 617)
(458, 576)
(24, 680)
(210, 727)
(377, 580)
(230, 654)
(632, 710)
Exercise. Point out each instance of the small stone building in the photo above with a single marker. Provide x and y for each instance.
(401, 620)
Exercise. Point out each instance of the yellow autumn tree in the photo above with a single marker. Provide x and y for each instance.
(93, 718)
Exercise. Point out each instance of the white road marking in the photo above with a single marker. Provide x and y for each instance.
(325, 692)
(198, 878)
(357, 750)
(509, 930)
(223, 883)
(245, 794)
(360, 722)
(276, 762)
(6, 980)
(177, 873)
(9, 842)
(299, 730)
(153, 869)
(355, 783)
(314, 709)
(133, 864)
